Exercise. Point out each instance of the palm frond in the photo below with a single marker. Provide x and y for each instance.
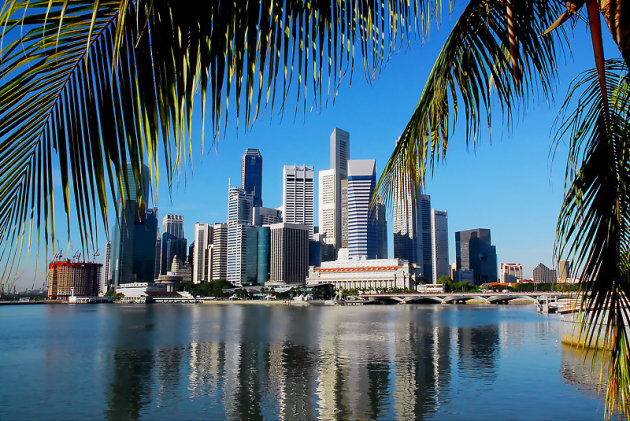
(476, 65)
(594, 223)
(91, 86)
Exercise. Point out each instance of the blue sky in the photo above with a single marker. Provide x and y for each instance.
(508, 183)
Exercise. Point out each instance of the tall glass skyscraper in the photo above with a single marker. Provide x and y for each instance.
(474, 251)
(251, 174)
(134, 235)
(173, 242)
(239, 221)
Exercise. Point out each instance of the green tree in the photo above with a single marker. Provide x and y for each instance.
(90, 87)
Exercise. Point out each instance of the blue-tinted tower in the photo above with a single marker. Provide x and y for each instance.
(251, 175)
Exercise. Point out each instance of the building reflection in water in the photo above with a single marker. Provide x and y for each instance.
(581, 372)
(131, 364)
(296, 363)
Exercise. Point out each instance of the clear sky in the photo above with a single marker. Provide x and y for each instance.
(508, 184)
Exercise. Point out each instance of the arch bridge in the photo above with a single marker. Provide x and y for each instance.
(461, 297)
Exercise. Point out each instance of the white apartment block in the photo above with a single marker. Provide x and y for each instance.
(510, 272)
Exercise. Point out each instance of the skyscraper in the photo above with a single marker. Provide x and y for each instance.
(201, 257)
(439, 244)
(339, 156)
(106, 267)
(219, 252)
(134, 235)
(251, 175)
(412, 226)
(381, 228)
(239, 220)
(474, 251)
(362, 228)
(173, 241)
(265, 216)
(289, 252)
(329, 222)
(298, 195)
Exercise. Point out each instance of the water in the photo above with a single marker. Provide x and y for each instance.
(254, 361)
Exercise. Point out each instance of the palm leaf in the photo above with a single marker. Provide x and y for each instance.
(476, 65)
(91, 86)
(594, 224)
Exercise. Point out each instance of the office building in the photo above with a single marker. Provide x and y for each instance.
(564, 270)
(106, 269)
(201, 257)
(412, 225)
(258, 248)
(251, 175)
(362, 229)
(439, 244)
(329, 221)
(544, 274)
(67, 278)
(381, 228)
(474, 251)
(298, 195)
(134, 235)
(239, 220)
(289, 252)
(339, 156)
(173, 241)
(265, 216)
(219, 252)
(510, 272)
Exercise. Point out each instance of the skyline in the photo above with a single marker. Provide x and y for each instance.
(523, 226)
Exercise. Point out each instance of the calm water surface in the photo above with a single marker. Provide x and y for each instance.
(254, 361)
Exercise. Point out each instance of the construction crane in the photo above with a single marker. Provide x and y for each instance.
(76, 257)
(59, 253)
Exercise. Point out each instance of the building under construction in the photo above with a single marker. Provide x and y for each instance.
(66, 278)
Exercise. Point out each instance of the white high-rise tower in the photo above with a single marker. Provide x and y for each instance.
(239, 220)
(298, 195)
(362, 228)
(201, 257)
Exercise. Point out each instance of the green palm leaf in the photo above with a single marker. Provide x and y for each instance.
(91, 86)
(594, 223)
(473, 68)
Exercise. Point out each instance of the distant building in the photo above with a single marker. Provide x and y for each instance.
(202, 271)
(367, 274)
(339, 156)
(265, 216)
(510, 272)
(381, 228)
(289, 252)
(412, 225)
(67, 278)
(474, 251)
(106, 270)
(219, 252)
(258, 249)
(298, 195)
(439, 244)
(362, 227)
(564, 270)
(329, 215)
(173, 241)
(543, 274)
(251, 175)
(239, 221)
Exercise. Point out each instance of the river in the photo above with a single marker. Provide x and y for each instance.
(176, 361)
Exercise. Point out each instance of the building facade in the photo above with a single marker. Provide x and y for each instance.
(201, 257)
(362, 227)
(105, 283)
(510, 272)
(173, 241)
(239, 220)
(564, 270)
(474, 251)
(298, 195)
(439, 244)
(371, 275)
(219, 252)
(67, 278)
(339, 156)
(289, 252)
(329, 217)
(265, 216)
(251, 175)
(544, 274)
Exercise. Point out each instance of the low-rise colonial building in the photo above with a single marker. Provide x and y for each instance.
(369, 274)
